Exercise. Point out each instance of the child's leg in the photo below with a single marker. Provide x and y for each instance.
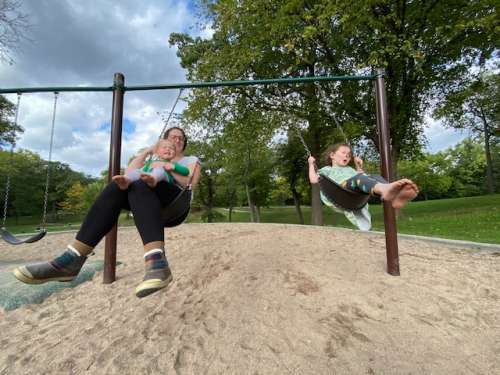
(398, 192)
(361, 183)
(123, 181)
(156, 175)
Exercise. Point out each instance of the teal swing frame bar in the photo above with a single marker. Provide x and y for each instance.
(118, 89)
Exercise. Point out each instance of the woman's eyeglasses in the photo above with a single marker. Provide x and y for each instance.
(173, 137)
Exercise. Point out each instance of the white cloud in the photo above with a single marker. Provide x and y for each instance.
(84, 43)
(440, 137)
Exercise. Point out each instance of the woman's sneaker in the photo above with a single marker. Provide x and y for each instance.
(158, 274)
(63, 268)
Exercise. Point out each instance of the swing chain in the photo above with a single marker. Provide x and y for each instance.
(301, 140)
(5, 202)
(46, 195)
(170, 114)
(7, 183)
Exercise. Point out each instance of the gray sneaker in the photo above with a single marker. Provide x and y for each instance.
(63, 268)
(158, 275)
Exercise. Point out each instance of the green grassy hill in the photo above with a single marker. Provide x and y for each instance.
(473, 219)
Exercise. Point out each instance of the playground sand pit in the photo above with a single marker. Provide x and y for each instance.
(264, 299)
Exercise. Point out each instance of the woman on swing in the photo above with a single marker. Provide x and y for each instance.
(145, 202)
(339, 155)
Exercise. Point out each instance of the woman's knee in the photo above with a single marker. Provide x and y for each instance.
(138, 186)
(111, 190)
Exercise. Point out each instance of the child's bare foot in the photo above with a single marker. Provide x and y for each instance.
(406, 194)
(148, 179)
(398, 192)
(390, 190)
(122, 181)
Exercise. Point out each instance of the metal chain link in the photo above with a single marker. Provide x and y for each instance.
(302, 140)
(46, 197)
(170, 114)
(6, 201)
(7, 184)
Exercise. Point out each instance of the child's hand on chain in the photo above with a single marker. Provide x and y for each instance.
(358, 162)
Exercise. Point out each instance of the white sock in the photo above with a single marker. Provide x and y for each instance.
(70, 247)
(154, 251)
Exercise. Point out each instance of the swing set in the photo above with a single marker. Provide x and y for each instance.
(42, 231)
(177, 211)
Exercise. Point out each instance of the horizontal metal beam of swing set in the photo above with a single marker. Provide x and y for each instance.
(171, 86)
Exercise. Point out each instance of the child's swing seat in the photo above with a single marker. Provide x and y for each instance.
(13, 240)
(344, 198)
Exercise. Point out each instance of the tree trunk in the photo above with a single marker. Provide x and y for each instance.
(316, 212)
(210, 199)
(394, 155)
(251, 206)
(314, 128)
(296, 201)
(489, 164)
(230, 214)
(257, 213)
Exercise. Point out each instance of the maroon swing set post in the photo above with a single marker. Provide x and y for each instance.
(383, 133)
(391, 236)
(114, 169)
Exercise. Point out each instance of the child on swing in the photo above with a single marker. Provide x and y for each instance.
(156, 169)
(338, 157)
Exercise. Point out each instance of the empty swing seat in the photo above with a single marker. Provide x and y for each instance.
(13, 240)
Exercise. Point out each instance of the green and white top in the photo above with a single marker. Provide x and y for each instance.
(180, 166)
(360, 218)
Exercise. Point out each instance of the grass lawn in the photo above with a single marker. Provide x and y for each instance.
(472, 219)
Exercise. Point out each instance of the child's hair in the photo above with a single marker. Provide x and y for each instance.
(162, 140)
(333, 148)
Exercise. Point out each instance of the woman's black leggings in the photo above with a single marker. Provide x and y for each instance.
(144, 202)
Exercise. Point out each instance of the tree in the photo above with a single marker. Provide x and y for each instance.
(8, 128)
(430, 173)
(13, 26)
(467, 168)
(74, 203)
(475, 106)
(291, 160)
(422, 46)
(28, 175)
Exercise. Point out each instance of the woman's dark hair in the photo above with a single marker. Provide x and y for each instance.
(333, 148)
(165, 136)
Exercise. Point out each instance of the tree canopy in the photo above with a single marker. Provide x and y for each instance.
(424, 47)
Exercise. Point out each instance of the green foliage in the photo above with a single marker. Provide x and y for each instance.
(458, 171)
(8, 128)
(430, 173)
(422, 45)
(468, 169)
(471, 219)
(73, 203)
(28, 175)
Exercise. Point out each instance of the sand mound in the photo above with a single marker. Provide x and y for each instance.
(265, 299)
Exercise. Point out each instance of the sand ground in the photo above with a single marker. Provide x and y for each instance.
(265, 299)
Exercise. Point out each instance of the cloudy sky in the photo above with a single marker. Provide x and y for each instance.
(75, 43)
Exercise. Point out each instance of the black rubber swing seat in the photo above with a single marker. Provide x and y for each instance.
(13, 240)
(176, 212)
(341, 197)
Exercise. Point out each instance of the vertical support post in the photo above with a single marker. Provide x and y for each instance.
(391, 238)
(114, 169)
